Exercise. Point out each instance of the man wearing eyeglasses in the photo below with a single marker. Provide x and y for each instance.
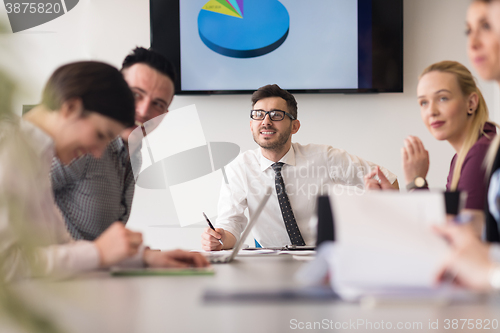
(298, 173)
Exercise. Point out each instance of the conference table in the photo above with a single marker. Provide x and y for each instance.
(99, 302)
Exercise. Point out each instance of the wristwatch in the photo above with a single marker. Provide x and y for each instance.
(418, 183)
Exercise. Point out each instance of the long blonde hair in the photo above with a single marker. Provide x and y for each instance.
(480, 116)
(490, 156)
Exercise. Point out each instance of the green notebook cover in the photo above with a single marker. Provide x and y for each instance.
(161, 271)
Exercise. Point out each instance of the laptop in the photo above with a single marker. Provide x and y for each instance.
(218, 257)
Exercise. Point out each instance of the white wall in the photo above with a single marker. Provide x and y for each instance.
(371, 126)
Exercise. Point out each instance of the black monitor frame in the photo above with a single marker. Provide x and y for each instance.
(382, 20)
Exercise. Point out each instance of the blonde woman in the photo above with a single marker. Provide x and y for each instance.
(472, 263)
(476, 265)
(483, 48)
(453, 109)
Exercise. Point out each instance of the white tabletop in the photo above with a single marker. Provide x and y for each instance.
(98, 302)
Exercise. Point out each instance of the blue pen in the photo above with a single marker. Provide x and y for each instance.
(211, 227)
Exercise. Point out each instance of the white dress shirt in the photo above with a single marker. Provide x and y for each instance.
(29, 216)
(308, 171)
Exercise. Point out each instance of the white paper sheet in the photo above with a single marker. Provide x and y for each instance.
(384, 240)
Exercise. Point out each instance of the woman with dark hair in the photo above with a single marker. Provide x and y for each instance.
(84, 106)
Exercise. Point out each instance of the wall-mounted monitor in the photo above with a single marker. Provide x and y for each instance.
(305, 46)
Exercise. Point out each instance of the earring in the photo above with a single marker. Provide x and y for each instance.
(470, 111)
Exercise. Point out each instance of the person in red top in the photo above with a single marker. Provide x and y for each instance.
(453, 109)
(474, 264)
(472, 177)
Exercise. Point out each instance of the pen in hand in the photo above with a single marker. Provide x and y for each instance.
(212, 227)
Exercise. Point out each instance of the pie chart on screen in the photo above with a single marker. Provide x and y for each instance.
(243, 28)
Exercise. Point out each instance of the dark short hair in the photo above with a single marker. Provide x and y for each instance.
(100, 86)
(153, 59)
(273, 90)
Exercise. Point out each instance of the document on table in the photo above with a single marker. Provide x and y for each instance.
(250, 253)
(384, 240)
(298, 252)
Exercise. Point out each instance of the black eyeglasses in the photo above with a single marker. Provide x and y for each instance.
(274, 115)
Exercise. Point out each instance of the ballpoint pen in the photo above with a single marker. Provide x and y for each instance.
(212, 227)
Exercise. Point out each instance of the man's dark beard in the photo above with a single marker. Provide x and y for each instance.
(278, 144)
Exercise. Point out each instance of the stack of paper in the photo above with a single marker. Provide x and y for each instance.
(384, 241)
